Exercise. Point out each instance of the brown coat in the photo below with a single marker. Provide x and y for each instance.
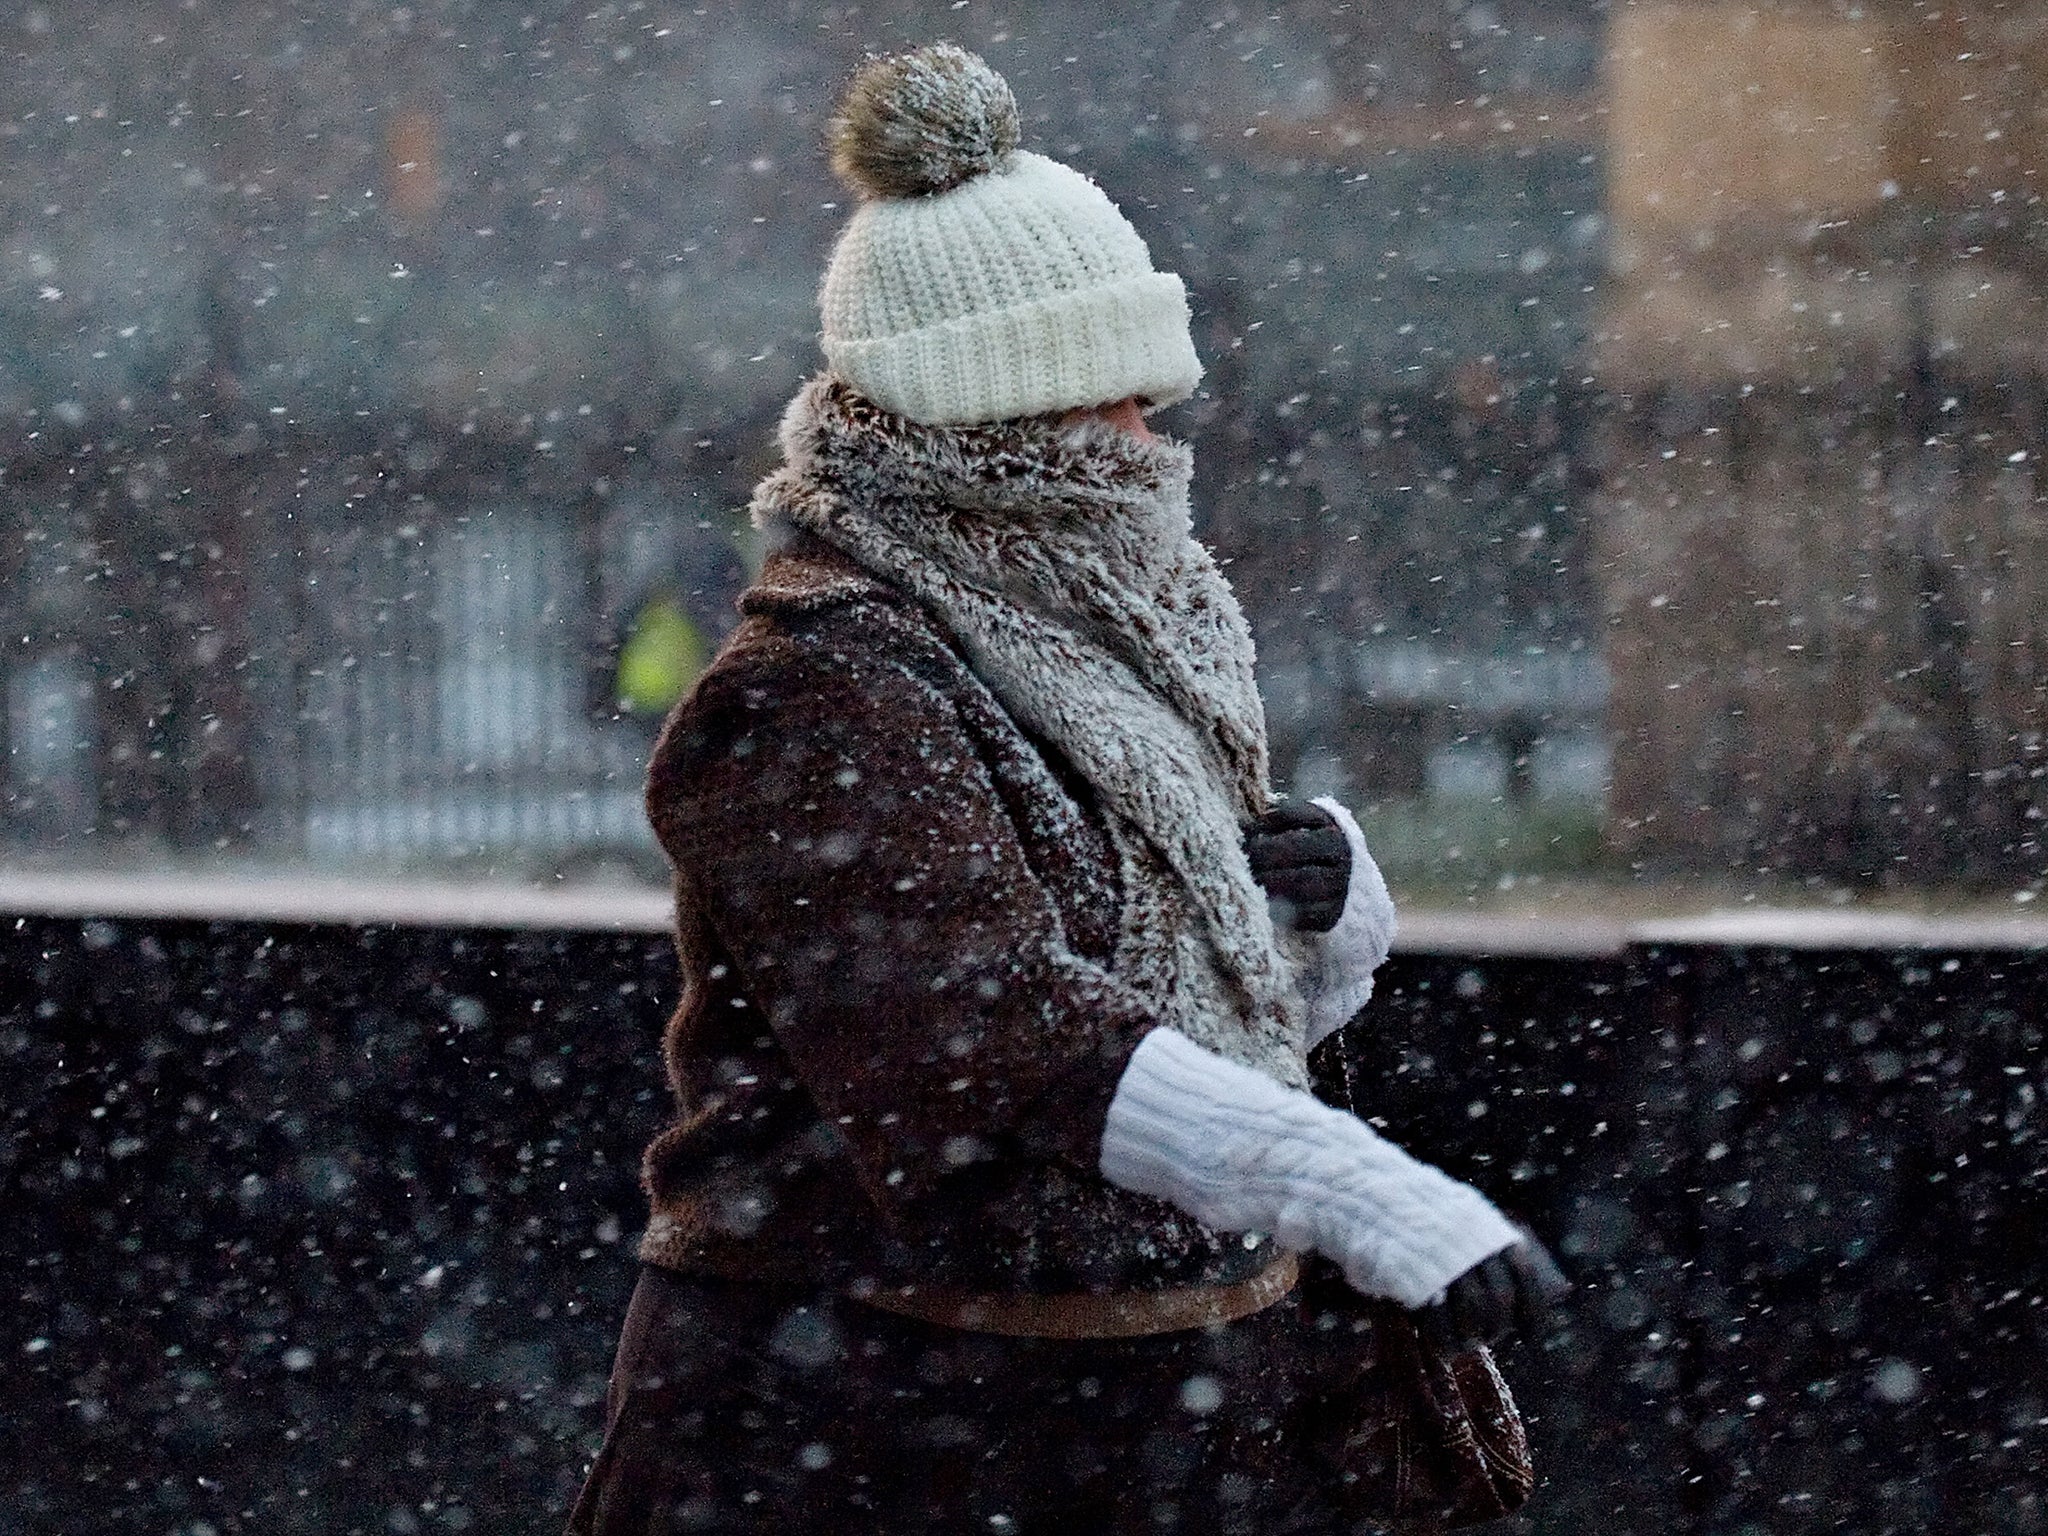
(897, 917)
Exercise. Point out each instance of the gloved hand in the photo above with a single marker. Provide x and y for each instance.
(1515, 1292)
(1300, 855)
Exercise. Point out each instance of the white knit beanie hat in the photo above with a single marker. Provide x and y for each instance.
(977, 281)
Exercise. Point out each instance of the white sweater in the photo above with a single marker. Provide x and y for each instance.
(1241, 1153)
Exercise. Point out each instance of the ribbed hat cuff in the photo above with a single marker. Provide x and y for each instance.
(1068, 350)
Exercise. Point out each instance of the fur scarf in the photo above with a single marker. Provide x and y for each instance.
(1060, 560)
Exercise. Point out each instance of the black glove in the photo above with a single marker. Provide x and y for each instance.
(1300, 855)
(1514, 1292)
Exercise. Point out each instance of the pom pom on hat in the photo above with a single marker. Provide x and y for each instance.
(922, 122)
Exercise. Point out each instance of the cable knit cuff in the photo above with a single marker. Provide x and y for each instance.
(1337, 980)
(1241, 1153)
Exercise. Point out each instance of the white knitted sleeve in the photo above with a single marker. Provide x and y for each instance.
(1241, 1153)
(1337, 978)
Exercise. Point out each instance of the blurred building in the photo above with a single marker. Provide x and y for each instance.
(366, 374)
(1823, 547)
(1620, 423)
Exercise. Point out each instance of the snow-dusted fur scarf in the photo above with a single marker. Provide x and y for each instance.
(1061, 561)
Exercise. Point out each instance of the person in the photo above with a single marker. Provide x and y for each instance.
(998, 1198)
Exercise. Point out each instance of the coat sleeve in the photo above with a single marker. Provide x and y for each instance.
(848, 846)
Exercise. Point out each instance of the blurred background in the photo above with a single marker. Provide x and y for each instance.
(1623, 420)
(1623, 424)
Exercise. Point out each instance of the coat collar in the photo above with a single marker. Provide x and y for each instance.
(807, 575)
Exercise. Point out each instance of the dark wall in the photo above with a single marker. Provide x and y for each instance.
(1803, 1196)
(328, 1230)
(315, 1230)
